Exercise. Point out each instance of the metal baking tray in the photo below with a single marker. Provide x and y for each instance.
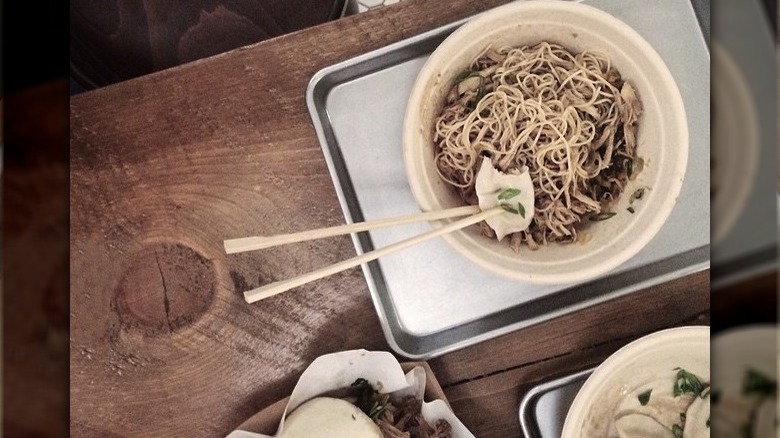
(430, 300)
(543, 409)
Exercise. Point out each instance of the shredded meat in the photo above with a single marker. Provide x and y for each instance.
(404, 420)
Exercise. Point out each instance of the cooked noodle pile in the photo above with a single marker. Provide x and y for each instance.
(570, 118)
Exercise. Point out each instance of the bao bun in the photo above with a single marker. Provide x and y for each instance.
(326, 417)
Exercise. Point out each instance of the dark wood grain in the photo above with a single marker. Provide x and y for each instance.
(35, 261)
(123, 39)
(167, 166)
(750, 301)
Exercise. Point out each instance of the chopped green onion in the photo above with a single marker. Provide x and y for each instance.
(508, 194)
(637, 195)
(519, 210)
(472, 105)
(480, 91)
(758, 383)
(644, 397)
(687, 383)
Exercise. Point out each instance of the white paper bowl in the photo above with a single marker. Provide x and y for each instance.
(627, 368)
(662, 137)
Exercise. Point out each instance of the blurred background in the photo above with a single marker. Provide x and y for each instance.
(744, 225)
(52, 50)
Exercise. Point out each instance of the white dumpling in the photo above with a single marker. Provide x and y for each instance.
(732, 413)
(697, 418)
(766, 420)
(490, 185)
(640, 425)
(326, 417)
(657, 417)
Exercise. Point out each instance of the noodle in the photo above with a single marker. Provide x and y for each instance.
(570, 118)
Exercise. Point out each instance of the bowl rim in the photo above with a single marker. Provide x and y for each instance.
(661, 340)
(743, 107)
(426, 199)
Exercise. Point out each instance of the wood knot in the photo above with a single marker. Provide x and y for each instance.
(165, 288)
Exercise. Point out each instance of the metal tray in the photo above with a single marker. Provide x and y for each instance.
(543, 409)
(430, 300)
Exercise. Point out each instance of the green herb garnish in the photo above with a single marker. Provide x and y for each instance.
(644, 397)
(472, 105)
(687, 383)
(376, 409)
(508, 194)
(637, 195)
(631, 210)
(602, 216)
(368, 399)
(480, 91)
(629, 167)
(677, 431)
(758, 383)
(521, 210)
(509, 208)
(462, 76)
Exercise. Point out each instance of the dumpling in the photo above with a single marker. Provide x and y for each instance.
(326, 417)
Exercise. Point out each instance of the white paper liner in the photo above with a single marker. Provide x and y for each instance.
(339, 370)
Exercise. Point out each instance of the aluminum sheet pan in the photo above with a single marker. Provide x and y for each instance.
(430, 300)
(543, 409)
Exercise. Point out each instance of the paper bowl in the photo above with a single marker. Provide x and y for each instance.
(736, 353)
(334, 372)
(662, 137)
(630, 367)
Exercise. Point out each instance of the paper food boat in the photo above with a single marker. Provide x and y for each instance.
(336, 371)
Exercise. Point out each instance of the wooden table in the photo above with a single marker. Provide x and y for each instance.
(167, 166)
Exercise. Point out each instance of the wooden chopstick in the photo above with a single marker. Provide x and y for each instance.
(278, 287)
(243, 244)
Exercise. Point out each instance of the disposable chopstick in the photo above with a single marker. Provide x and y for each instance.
(278, 287)
(243, 244)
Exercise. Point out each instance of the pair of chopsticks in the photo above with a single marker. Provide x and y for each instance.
(233, 246)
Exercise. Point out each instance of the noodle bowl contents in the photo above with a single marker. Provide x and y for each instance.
(674, 404)
(569, 119)
(514, 192)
